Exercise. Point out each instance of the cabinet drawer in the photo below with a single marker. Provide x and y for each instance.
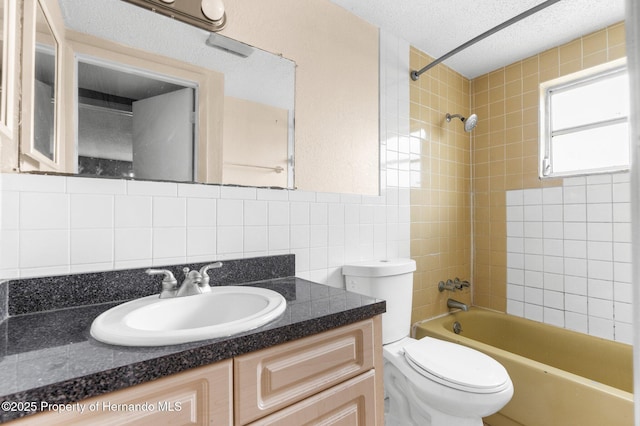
(271, 379)
(349, 403)
(195, 397)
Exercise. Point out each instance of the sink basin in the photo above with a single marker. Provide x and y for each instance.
(151, 321)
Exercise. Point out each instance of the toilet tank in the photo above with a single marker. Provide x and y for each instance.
(391, 280)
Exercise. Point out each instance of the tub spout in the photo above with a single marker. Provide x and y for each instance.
(451, 303)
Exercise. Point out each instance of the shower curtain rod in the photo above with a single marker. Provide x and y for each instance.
(416, 74)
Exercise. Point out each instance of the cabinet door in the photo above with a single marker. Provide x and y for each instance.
(351, 403)
(271, 379)
(201, 396)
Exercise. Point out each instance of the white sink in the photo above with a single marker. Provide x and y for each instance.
(151, 321)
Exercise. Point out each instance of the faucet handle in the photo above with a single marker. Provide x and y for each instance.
(461, 284)
(204, 285)
(442, 286)
(204, 269)
(169, 282)
(168, 275)
(457, 283)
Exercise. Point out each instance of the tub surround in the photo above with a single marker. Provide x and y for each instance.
(505, 159)
(46, 353)
(569, 255)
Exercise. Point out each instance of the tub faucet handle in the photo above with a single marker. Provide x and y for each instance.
(461, 284)
(449, 285)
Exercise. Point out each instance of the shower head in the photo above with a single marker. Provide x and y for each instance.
(469, 123)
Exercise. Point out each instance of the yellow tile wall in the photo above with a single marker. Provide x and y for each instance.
(505, 145)
(440, 198)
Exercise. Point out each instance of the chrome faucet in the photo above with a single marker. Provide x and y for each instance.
(195, 282)
(452, 303)
(191, 284)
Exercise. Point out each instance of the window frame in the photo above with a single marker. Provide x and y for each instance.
(562, 84)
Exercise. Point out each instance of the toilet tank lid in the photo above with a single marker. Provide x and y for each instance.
(379, 268)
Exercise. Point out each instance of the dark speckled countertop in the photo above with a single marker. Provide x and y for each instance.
(48, 356)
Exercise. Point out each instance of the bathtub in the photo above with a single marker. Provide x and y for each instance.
(560, 377)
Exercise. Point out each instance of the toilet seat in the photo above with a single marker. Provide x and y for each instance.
(456, 366)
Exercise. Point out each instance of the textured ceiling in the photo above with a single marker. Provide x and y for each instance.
(439, 26)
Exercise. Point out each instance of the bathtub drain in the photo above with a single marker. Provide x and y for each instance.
(457, 328)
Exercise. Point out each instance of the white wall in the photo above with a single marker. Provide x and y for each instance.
(569, 255)
(58, 225)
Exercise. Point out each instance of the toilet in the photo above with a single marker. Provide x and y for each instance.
(427, 381)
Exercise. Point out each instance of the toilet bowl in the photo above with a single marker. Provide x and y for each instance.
(433, 382)
(427, 382)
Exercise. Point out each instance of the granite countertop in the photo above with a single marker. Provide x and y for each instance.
(48, 356)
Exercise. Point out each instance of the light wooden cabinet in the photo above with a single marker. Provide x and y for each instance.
(276, 377)
(349, 403)
(201, 396)
(331, 378)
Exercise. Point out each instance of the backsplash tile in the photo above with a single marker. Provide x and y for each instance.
(44, 248)
(41, 210)
(574, 271)
(91, 211)
(139, 224)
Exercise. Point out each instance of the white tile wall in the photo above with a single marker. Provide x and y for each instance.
(57, 225)
(569, 255)
(61, 231)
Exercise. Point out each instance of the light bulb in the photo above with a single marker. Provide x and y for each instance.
(213, 9)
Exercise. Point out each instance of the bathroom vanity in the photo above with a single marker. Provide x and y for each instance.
(320, 360)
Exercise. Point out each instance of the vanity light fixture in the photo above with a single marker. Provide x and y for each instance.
(205, 14)
(213, 9)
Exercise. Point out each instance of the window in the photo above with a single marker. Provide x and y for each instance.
(584, 126)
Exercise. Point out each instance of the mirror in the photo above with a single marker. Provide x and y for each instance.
(41, 89)
(3, 55)
(8, 70)
(260, 83)
(44, 87)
